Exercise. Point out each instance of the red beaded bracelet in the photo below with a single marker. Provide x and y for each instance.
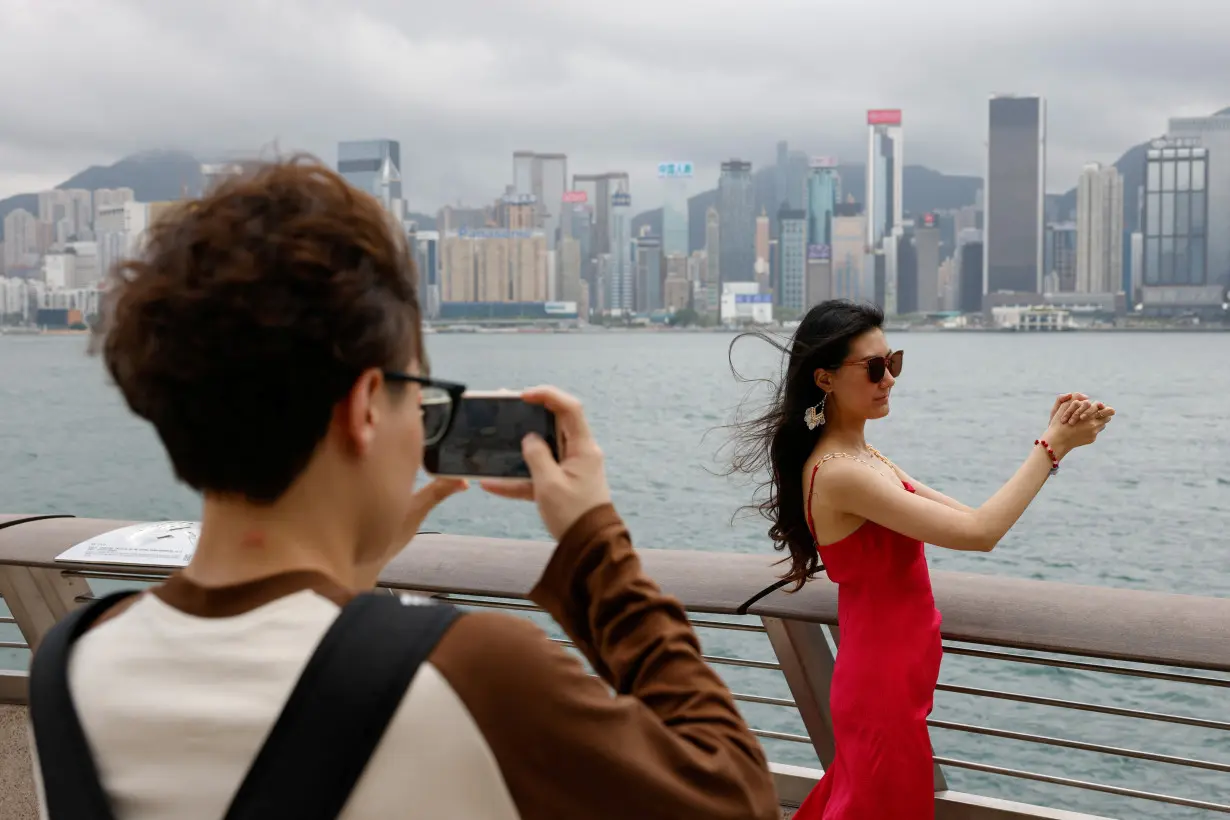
(1049, 452)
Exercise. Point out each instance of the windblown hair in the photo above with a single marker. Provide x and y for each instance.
(772, 444)
(248, 316)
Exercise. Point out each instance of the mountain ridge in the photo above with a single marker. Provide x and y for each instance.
(163, 174)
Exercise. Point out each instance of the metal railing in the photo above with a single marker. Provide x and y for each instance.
(1098, 639)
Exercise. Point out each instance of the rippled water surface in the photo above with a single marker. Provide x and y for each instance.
(1147, 507)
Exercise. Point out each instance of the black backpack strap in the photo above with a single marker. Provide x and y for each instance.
(71, 786)
(340, 708)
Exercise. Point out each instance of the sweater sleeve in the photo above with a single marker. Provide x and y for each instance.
(669, 743)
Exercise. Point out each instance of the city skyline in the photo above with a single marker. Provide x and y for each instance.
(462, 91)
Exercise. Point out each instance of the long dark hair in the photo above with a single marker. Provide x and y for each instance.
(773, 443)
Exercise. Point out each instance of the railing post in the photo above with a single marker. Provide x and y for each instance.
(807, 663)
(39, 597)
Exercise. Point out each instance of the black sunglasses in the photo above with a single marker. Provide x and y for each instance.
(439, 401)
(877, 365)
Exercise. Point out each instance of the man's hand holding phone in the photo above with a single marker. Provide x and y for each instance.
(567, 489)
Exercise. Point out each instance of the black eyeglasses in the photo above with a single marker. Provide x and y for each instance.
(439, 400)
(876, 365)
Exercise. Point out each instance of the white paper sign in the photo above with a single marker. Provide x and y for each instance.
(165, 544)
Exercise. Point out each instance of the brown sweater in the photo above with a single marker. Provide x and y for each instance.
(501, 722)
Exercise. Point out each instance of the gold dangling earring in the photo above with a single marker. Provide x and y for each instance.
(814, 416)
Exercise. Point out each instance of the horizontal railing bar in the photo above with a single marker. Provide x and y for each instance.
(1079, 745)
(744, 662)
(513, 605)
(723, 625)
(781, 736)
(1086, 667)
(14, 645)
(740, 696)
(789, 704)
(523, 607)
(7, 620)
(103, 575)
(1084, 707)
(1083, 784)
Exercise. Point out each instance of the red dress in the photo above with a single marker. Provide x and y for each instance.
(888, 662)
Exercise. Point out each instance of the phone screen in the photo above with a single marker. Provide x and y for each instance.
(485, 439)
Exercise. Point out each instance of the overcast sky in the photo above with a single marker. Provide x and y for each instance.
(615, 84)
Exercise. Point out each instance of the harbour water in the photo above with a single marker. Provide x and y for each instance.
(1146, 507)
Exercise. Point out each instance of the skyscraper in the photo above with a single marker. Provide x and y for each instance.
(1014, 190)
(675, 177)
(885, 146)
(970, 276)
(792, 245)
(599, 188)
(1212, 134)
(374, 166)
(544, 177)
(619, 273)
(927, 250)
(822, 184)
(647, 284)
(853, 267)
(1099, 230)
(1060, 254)
(737, 215)
(1177, 241)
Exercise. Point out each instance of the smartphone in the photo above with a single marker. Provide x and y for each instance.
(485, 439)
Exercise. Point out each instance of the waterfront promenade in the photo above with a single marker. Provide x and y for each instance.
(1074, 630)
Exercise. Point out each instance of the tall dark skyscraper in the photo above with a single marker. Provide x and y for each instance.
(1015, 189)
(971, 277)
(737, 222)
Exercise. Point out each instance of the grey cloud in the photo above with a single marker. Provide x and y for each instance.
(616, 85)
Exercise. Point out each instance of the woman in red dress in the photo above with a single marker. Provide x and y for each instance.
(833, 498)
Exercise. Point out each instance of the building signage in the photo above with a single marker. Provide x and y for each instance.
(493, 233)
(822, 162)
(558, 308)
(753, 298)
(619, 199)
(928, 220)
(671, 170)
(576, 197)
(1176, 142)
(818, 253)
(884, 116)
(520, 199)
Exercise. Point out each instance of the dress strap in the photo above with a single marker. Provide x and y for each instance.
(811, 488)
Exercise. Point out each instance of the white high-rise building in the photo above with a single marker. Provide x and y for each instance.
(885, 163)
(119, 229)
(1099, 230)
(104, 197)
(883, 205)
(20, 239)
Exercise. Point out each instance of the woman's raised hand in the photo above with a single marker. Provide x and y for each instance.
(1070, 429)
(1076, 407)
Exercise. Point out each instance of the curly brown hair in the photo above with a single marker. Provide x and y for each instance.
(248, 316)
